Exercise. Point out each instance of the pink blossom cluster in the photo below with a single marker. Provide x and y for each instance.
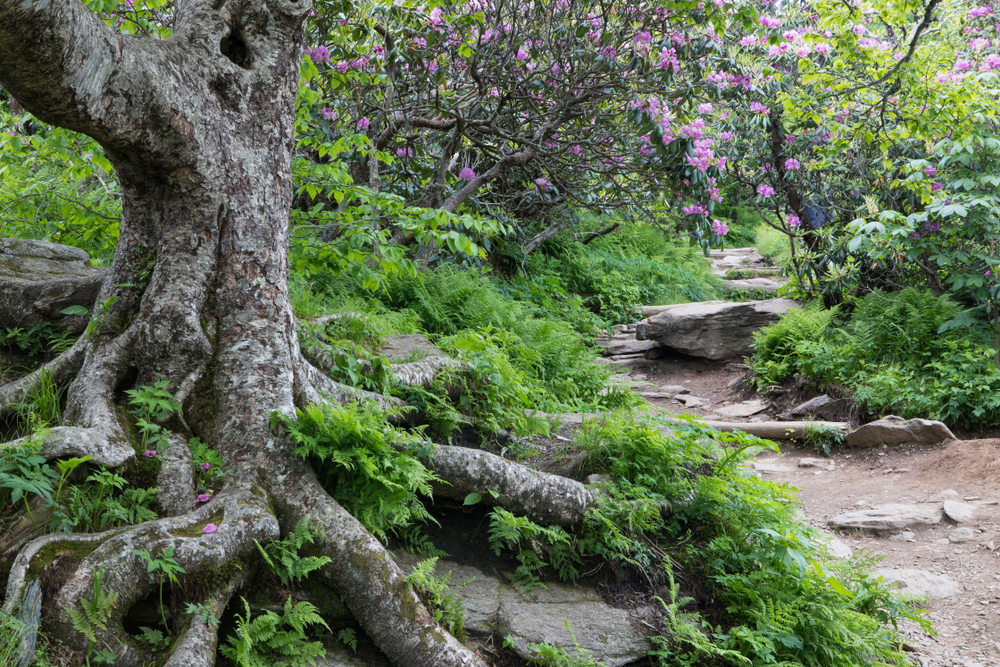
(719, 227)
(757, 107)
(320, 54)
(980, 11)
(765, 190)
(405, 152)
(695, 209)
(768, 22)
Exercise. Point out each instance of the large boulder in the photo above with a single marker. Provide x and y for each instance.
(893, 430)
(38, 280)
(713, 329)
(922, 582)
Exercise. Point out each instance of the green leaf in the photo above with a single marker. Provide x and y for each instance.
(472, 498)
(75, 310)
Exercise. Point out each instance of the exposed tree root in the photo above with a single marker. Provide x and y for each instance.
(175, 484)
(198, 646)
(241, 517)
(370, 582)
(545, 498)
(422, 373)
(314, 386)
(75, 441)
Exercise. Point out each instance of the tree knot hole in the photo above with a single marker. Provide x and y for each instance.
(234, 48)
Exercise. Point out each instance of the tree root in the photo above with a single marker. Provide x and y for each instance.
(75, 441)
(197, 648)
(310, 382)
(543, 497)
(370, 582)
(17, 579)
(240, 516)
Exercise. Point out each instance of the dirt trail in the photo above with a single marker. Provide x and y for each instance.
(968, 618)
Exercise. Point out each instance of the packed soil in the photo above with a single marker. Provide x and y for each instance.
(967, 623)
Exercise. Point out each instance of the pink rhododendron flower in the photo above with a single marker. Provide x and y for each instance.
(210, 528)
(765, 190)
(363, 124)
(719, 227)
(467, 174)
(704, 108)
(791, 164)
(329, 114)
(542, 183)
(859, 30)
(203, 498)
(822, 48)
(759, 108)
(206, 466)
(151, 453)
(935, 186)
(793, 220)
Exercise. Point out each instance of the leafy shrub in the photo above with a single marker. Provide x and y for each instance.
(775, 345)
(369, 467)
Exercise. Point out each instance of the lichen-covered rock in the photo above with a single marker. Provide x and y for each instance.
(713, 329)
(38, 280)
(889, 518)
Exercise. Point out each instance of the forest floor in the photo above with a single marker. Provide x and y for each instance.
(966, 618)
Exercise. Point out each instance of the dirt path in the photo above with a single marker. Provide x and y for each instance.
(961, 557)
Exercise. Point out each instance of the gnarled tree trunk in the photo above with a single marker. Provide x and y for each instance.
(200, 129)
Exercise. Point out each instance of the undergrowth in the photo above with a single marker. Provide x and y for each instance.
(897, 352)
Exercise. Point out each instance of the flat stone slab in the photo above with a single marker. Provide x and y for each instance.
(961, 535)
(625, 344)
(814, 463)
(744, 409)
(893, 430)
(922, 582)
(959, 512)
(762, 284)
(494, 608)
(839, 549)
(713, 329)
(889, 518)
(36, 261)
(690, 401)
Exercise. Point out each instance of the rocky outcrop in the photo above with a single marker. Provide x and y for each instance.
(713, 329)
(38, 280)
(893, 430)
(922, 582)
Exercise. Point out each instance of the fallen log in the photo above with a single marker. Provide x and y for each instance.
(772, 430)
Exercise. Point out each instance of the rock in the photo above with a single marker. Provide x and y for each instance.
(493, 608)
(838, 549)
(625, 344)
(810, 407)
(961, 535)
(690, 401)
(922, 582)
(674, 389)
(744, 409)
(893, 430)
(813, 463)
(889, 518)
(649, 311)
(38, 280)
(766, 467)
(905, 536)
(604, 631)
(598, 479)
(714, 330)
(762, 284)
(409, 347)
(958, 511)
(949, 492)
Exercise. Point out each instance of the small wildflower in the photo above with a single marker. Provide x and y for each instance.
(206, 466)
(210, 528)
(203, 498)
(151, 453)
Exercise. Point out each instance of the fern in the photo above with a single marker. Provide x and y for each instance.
(349, 638)
(446, 608)
(282, 556)
(271, 640)
(371, 468)
(94, 614)
(512, 532)
(154, 638)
